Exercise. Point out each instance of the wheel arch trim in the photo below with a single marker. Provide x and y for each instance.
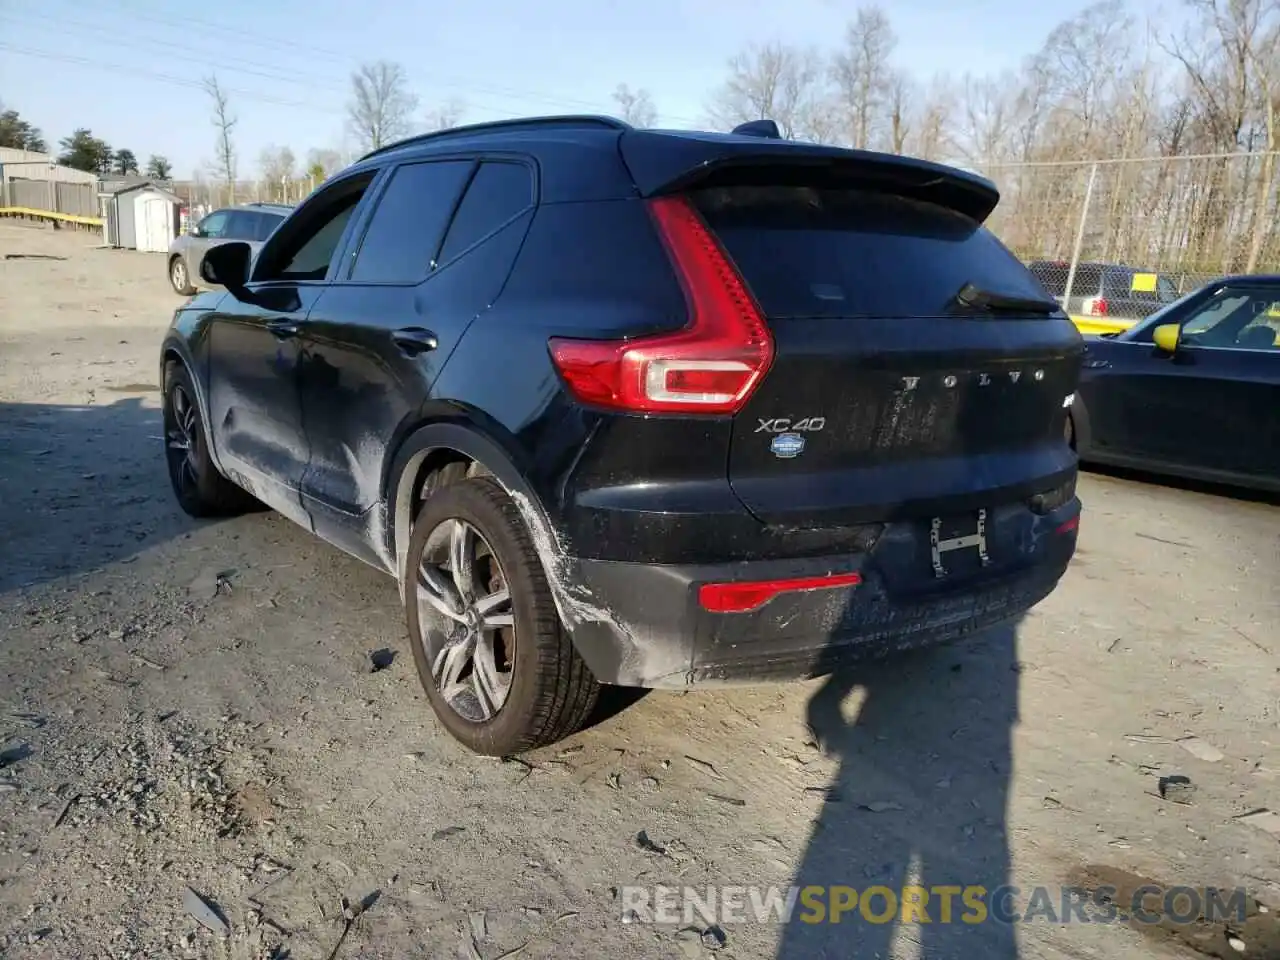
(176, 348)
(460, 436)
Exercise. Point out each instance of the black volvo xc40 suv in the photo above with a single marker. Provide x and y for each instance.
(639, 407)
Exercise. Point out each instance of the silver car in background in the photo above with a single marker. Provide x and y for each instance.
(250, 222)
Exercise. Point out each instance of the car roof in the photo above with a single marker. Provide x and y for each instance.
(520, 127)
(1263, 278)
(651, 160)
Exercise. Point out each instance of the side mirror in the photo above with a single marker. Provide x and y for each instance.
(1166, 337)
(195, 231)
(227, 265)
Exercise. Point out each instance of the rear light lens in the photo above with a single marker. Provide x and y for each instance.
(710, 366)
(753, 594)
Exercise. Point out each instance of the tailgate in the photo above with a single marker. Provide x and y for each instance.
(884, 398)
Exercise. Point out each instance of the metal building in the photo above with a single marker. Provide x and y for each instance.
(36, 181)
(140, 216)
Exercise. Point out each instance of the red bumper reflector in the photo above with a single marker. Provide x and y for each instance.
(752, 594)
(1072, 524)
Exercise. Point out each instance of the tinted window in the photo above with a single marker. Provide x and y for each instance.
(215, 224)
(498, 192)
(307, 242)
(266, 223)
(404, 233)
(312, 258)
(811, 252)
(1244, 319)
(242, 225)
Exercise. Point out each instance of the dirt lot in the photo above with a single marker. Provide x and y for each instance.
(188, 704)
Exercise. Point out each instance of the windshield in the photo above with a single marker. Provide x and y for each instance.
(1143, 330)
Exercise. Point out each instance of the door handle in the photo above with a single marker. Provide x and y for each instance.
(415, 340)
(1096, 364)
(283, 329)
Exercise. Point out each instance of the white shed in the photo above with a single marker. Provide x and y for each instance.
(141, 216)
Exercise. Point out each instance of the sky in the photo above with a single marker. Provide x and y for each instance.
(130, 70)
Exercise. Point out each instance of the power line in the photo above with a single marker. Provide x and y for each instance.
(274, 44)
(154, 75)
(222, 63)
(73, 27)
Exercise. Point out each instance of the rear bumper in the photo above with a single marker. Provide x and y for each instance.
(649, 629)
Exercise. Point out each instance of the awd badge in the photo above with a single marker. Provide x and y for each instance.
(787, 445)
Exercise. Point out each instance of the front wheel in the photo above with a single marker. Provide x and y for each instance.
(497, 666)
(179, 278)
(201, 490)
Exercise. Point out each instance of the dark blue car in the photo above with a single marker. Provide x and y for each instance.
(1193, 390)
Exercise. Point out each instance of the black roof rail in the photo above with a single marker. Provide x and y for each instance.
(496, 126)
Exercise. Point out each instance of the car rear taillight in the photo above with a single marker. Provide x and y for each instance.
(709, 366)
(748, 595)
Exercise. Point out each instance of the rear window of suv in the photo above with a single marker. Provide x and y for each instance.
(822, 252)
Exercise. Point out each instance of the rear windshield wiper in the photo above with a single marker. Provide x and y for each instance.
(974, 297)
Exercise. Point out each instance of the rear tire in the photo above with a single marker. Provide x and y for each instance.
(522, 684)
(201, 490)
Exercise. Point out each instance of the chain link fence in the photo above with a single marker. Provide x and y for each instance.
(1116, 239)
(204, 196)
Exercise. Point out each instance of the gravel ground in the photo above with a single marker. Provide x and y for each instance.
(193, 705)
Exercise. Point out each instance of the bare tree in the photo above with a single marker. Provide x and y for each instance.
(1188, 127)
(863, 74)
(936, 105)
(901, 91)
(381, 106)
(1229, 55)
(323, 163)
(636, 106)
(445, 117)
(224, 147)
(277, 166)
(983, 121)
(774, 82)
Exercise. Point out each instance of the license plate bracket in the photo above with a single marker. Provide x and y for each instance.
(944, 538)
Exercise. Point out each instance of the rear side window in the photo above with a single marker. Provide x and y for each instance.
(242, 225)
(498, 193)
(819, 252)
(412, 213)
(267, 222)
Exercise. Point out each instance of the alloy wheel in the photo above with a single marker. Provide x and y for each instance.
(182, 438)
(466, 620)
(178, 274)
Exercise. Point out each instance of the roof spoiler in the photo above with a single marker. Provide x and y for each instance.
(672, 161)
